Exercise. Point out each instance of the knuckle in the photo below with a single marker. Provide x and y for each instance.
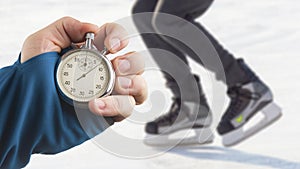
(140, 92)
(116, 105)
(139, 84)
(65, 18)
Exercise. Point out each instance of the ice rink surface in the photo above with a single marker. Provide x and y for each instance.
(265, 33)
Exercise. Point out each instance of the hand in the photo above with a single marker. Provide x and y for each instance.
(130, 88)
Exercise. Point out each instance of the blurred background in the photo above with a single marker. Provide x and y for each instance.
(265, 33)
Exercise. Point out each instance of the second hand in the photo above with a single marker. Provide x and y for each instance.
(84, 75)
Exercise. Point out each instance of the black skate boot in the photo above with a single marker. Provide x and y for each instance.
(183, 116)
(246, 101)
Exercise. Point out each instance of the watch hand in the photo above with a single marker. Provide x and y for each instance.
(84, 75)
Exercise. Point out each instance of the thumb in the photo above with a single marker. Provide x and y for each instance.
(67, 30)
(55, 37)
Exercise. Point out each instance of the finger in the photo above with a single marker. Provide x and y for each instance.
(113, 36)
(113, 106)
(134, 85)
(129, 64)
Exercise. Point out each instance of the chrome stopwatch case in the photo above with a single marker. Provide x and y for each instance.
(85, 73)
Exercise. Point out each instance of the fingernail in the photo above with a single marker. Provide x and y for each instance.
(124, 82)
(124, 65)
(115, 44)
(100, 104)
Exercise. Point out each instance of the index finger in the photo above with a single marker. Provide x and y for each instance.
(113, 36)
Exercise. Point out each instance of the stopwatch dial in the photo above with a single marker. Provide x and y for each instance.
(84, 76)
(85, 63)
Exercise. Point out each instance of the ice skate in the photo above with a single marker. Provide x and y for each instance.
(247, 101)
(181, 125)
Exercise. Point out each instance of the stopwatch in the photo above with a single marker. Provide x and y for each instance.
(85, 73)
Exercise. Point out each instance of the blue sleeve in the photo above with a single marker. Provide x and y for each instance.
(34, 118)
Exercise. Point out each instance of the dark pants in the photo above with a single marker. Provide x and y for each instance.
(189, 10)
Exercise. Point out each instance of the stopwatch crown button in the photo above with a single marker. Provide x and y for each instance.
(90, 35)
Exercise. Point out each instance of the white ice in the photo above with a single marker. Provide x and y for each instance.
(265, 33)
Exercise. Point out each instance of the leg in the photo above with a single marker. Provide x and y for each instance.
(193, 9)
(247, 92)
(153, 41)
(185, 107)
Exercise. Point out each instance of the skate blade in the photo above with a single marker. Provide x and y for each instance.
(200, 136)
(271, 112)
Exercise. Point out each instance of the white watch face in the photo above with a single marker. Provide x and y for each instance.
(84, 75)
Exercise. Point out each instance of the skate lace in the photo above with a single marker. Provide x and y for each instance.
(237, 96)
(172, 114)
